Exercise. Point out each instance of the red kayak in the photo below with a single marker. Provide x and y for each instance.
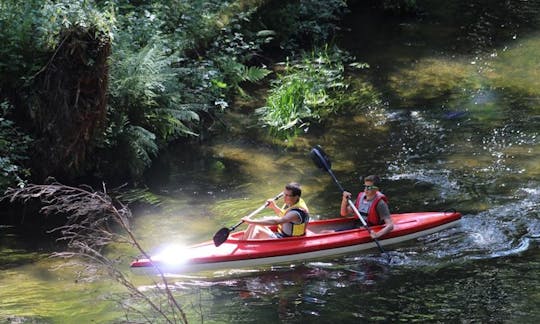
(324, 238)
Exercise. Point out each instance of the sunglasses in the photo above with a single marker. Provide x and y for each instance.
(289, 195)
(370, 187)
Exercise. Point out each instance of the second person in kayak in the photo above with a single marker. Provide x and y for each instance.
(372, 205)
(292, 220)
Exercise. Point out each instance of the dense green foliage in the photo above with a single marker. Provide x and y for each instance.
(157, 88)
(31, 30)
(35, 35)
(13, 147)
(302, 24)
(172, 67)
(175, 70)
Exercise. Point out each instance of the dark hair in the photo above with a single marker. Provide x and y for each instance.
(294, 188)
(373, 178)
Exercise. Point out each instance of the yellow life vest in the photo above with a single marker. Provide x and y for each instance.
(295, 229)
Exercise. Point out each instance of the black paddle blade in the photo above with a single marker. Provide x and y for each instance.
(320, 158)
(221, 236)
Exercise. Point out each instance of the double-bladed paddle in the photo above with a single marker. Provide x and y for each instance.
(323, 162)
(221, 236)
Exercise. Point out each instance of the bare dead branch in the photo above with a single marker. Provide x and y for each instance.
(87, 232)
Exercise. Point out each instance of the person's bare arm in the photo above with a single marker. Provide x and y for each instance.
(388, 227)
(272, 205)
(291, 217)
(383, 210)
(263, 221)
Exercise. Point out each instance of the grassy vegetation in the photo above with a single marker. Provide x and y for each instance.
(312, 88)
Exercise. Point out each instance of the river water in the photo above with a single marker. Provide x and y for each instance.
(458, 127)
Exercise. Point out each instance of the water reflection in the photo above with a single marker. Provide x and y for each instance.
(344, 290)
(284, 294)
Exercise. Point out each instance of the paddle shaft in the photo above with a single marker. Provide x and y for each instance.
(255, 212)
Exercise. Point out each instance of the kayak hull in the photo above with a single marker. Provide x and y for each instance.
(324, 238)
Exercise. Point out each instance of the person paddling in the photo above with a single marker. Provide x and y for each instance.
(292, 220)
(372, 205)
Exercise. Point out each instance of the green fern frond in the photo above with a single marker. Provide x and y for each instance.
(181, 114)
(141, 76)
(254, 74)
(143, 144)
